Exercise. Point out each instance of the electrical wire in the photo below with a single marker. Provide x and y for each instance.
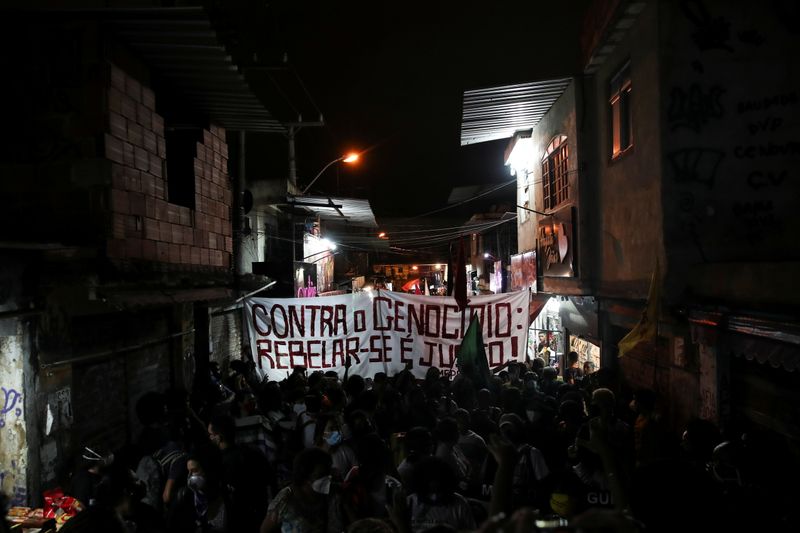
(490, 191)
(434, 231)
(282, 93)
(428, 238)
(443, 237)
(536, 182)
(305, 89)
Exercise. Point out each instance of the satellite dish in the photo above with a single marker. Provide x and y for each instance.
(247, 201)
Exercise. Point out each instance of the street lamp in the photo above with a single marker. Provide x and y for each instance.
(350, 158)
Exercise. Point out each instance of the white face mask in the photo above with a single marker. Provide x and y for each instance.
(196, 483)
(322, 485)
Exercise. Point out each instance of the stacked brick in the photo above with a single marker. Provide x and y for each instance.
(143, 225)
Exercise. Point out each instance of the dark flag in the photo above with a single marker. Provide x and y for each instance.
(471, 358)
(460, 279)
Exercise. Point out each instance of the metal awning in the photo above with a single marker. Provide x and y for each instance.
(352, 211)
(182, 48)
(497, 112)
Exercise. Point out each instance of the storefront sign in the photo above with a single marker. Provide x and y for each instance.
(556, 244)
(381, 331)
(523, 271)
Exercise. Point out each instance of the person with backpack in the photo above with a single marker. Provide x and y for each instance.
(246, 475)
(164, 470)
(531, 472)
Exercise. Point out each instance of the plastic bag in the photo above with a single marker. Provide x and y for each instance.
(60, 506)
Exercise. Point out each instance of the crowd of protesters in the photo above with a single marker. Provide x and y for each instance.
(523, 449)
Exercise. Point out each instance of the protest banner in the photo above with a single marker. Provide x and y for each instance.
(381, 331)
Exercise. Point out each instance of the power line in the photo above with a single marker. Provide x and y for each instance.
(435, 230)
(444, 237)
(490, 191)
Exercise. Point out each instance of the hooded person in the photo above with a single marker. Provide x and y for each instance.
(531, 472)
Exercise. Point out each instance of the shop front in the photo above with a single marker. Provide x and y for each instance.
(579, 320)
(565, 324)
(546, 333)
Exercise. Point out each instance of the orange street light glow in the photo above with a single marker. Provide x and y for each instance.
(382, 235)
(415, 267)
(352, 157)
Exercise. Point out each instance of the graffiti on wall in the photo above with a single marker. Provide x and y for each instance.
(694, 106)
(12, 401)
(13, 436)
(734, 150)
(18, 493)
(709, 31)
(59, 410)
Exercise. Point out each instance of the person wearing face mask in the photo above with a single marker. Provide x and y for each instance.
(332, 439)
(201, 506)
(434, 500)
(308, 504)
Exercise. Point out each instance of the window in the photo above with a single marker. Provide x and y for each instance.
(181, 151)
(619, 101)
(555, 176)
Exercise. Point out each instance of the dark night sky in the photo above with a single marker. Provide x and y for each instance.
(390, 77)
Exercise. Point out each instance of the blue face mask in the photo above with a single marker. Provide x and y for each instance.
(334, 438)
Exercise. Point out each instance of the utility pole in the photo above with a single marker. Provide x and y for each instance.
(292, 129)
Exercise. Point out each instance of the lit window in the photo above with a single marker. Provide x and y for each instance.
(555, 175)
(620, 107)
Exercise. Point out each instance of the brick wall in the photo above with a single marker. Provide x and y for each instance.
(142, 224)
(119, 380)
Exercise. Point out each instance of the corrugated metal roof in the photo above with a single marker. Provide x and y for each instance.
(182, 48)
(353, 211)
(497, 112)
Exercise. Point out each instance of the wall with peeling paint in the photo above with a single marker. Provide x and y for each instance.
(13, 435)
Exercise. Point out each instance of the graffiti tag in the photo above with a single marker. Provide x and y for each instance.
(710, 32)
(693, 107)
(695, 165)
(12, 398)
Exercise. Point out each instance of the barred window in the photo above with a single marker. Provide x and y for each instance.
(555, 176)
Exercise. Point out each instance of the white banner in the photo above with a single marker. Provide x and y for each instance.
(381, 331)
